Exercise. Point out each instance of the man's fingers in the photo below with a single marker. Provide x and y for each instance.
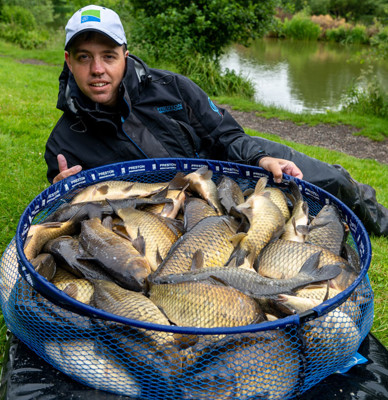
(62, 163)
(68, 172)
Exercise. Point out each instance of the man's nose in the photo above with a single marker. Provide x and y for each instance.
(97, 67)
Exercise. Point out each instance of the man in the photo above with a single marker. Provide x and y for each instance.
(116, 108)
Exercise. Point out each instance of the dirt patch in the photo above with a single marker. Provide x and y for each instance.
(333, 137)
(32, 61)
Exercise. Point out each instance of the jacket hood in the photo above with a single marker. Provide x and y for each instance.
(71, 99)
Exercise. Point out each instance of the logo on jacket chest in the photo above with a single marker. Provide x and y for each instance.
(170, 108)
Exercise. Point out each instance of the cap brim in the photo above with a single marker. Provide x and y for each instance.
(90, 30)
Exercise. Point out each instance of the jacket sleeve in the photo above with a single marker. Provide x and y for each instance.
(217, 127)
(56, 144)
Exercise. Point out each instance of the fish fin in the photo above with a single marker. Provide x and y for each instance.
(139, 244)
(295, 191)
(103, 189)
(175, 225)
(261, 184)
(159, 258)
(327, 291)
(327, 272)
(128, 188)
(71, 290)
(121, 231)
(197, 261)
(248, 192)
(107, 222)
(237, 238)
(178, 182)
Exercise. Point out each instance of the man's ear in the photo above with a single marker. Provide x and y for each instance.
(67, 59)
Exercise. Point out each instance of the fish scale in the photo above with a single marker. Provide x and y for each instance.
(211, 236)
(158, 237)
(201, 304)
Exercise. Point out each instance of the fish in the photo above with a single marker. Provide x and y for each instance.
(200, 182)
(350, 254)
(229, 193)
(331, 339)
(252, 283)
(207, 244)
(284, 258)
(87, 362)
(114, 299)
(67, 210)
(194, 210)
(299, 215)
(169, 209)
(266, 223)
(204, 305)
(45, 265)
(327, 229)
(69, 254)
(116, 255)
(39, 234)
(159, 233)
(79, 289)
(121, 189)
(278, 197)
(261, 365)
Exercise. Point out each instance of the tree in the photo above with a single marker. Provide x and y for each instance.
(204, 27)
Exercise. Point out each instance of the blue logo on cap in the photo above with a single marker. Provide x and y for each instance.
(90, 15)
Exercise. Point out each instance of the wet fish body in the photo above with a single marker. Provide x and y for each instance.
(252, 283)
(84, 361)
(266, 223)
(211, 237)
(284, 258)
(116, 255)
(158, 235)
(327, 230)
(200, 181)
(204, 305)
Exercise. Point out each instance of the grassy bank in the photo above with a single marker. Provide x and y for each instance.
(28, 114)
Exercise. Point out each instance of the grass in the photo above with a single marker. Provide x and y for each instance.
(28, 114)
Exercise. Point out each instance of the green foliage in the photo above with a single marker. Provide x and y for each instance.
(42, 10)
(300, 27)
(18, 17)
(179, 28)
(18, 25)
(354, 10)
(366, 97)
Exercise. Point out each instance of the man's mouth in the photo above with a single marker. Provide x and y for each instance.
(98, 84)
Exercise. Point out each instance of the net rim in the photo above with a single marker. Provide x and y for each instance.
(59, 189)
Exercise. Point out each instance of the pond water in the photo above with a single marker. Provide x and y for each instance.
(300, 76)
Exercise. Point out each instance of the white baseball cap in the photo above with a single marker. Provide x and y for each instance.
(97, 19)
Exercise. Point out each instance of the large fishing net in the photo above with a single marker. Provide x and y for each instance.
(277, 359)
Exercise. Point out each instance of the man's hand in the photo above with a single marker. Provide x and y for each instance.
(64, 172)
(278, 166)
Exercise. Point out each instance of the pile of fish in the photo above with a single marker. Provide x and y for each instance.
(194, 253)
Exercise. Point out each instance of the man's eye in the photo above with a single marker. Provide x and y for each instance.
(82, 57)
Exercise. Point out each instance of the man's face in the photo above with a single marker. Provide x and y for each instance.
(98, 66)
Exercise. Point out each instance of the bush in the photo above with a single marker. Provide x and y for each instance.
(366, 97)
(206, 26)
(206, 74)
(17, 17)
(301, 28)
(18, 25)
(357, 35)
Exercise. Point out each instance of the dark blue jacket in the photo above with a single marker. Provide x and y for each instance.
(160, 114)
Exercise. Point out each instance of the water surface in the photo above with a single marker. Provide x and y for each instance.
(300, 76)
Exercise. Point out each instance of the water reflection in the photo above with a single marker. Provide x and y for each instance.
(299, 76)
